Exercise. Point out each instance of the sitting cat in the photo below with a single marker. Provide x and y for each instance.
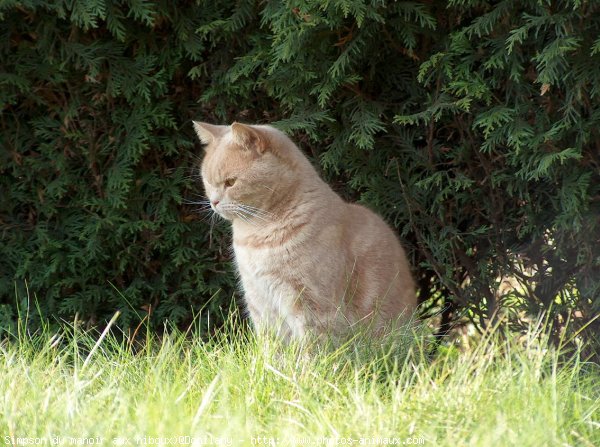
(309, 262)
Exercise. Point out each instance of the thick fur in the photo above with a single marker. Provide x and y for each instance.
(309, 262)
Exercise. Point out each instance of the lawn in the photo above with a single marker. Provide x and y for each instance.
(77, 387)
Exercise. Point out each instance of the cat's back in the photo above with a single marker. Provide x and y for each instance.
(382, 267)
(370, 235)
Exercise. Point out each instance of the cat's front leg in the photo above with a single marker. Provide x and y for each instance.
(272, 317)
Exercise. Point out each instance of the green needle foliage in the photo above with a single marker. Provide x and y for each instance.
(96, 161)
(472, 126)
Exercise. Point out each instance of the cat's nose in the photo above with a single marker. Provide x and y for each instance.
(215, 203)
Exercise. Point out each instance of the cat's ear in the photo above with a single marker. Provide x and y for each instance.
(207, 133)
(249, 137)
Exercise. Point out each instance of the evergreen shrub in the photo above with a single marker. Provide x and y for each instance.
(471, 126)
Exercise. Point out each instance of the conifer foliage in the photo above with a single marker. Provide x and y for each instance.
(473, 127)
(96, 161)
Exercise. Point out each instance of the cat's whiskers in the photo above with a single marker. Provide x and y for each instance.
(254, 213)
(230, 208)
(203, 201)
(203, 207)
(247, 213)
(251, 217)
(253, 208)
(257, 211)
(243, 217)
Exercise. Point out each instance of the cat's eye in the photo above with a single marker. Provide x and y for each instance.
(229, 182)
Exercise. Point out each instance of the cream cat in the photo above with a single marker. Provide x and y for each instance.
(309, 262)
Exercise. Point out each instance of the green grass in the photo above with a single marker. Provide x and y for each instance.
(238, 389)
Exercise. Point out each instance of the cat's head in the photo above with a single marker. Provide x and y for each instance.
(243, 170)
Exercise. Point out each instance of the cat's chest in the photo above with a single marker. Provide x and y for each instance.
(270, 291)
(264, 269)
